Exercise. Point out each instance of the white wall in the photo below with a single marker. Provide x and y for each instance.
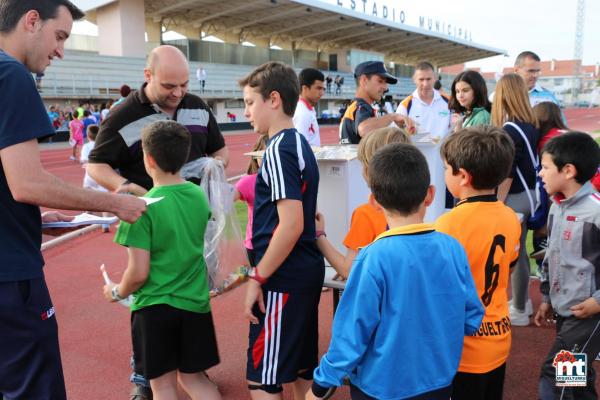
(122, 29)
(221, 113)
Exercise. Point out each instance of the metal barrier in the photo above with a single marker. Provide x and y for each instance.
(91, 228)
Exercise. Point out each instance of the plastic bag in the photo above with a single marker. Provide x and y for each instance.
(339, 152)
(224, 251)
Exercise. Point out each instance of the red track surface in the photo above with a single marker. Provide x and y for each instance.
(94, 335)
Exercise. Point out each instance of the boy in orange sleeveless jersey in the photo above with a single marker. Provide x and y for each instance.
(476, 161)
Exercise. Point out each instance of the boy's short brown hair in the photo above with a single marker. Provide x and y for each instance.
(376, 140)
(168, 142)
(275, 77)
(485, 152)
(399, 178)
(92, 131)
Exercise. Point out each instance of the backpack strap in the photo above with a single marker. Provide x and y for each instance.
(533, 161)
(407, 103)
(526, 188)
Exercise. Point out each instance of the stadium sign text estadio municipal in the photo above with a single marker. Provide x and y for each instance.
(377, 9)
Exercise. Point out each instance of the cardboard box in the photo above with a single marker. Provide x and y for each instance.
(342, 187)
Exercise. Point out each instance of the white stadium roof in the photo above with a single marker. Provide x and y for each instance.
(313, 23)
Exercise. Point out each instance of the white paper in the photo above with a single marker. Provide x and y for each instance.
(345, 152)
(81, 219)
(425, 138)
(151, 200)
(127, 302)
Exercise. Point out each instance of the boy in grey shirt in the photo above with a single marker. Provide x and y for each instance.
(570, 282)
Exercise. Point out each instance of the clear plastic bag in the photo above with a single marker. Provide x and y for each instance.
(338, 152)
(224, 251)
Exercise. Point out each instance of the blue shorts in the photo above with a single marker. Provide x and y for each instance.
(30, 366)
(284, 345)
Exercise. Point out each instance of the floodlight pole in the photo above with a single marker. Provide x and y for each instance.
(578, 53)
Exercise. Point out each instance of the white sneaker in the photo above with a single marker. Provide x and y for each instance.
(518, 318)
(528, 307)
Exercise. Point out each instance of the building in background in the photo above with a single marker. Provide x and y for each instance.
(556, 76)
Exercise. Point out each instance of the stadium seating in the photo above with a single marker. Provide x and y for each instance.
(89, 75)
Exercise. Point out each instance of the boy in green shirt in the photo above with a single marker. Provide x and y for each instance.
(171, 324)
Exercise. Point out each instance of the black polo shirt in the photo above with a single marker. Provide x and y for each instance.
(119, 141)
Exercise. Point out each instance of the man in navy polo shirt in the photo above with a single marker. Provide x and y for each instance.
(359, 120)
(32, 33)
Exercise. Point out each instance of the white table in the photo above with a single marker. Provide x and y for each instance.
(336, 285)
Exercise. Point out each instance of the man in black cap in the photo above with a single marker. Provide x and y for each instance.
(359, 119)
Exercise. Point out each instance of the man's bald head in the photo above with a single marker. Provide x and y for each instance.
(169, 54)
(167, 77)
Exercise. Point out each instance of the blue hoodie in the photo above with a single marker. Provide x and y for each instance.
(398, 331)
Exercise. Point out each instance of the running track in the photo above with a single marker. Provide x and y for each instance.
(94, 334)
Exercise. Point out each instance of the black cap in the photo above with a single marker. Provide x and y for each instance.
(374, 67)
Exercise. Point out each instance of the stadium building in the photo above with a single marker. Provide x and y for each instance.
(229, 38)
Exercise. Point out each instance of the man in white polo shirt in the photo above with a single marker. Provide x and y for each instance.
(427, 107)
(305, 118)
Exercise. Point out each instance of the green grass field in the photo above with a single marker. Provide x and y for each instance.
(242, 213)
(533, 267)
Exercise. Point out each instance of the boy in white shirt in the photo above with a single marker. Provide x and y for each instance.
(305, 117)
(88, 181)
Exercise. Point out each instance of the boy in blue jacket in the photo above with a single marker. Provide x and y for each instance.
(410, 298)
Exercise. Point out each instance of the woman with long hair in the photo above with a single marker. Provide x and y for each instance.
(512, 111)
(551, 123)
(469, 99)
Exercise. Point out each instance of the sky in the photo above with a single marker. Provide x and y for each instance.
(546, 27)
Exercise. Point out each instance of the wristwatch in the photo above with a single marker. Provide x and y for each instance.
(115, 294)
(253, 274)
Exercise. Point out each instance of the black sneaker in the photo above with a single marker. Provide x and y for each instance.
(539, 248)
(140, 392)
(330, 392)
(543, 243)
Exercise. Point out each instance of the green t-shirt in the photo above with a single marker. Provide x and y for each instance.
(172, 230)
